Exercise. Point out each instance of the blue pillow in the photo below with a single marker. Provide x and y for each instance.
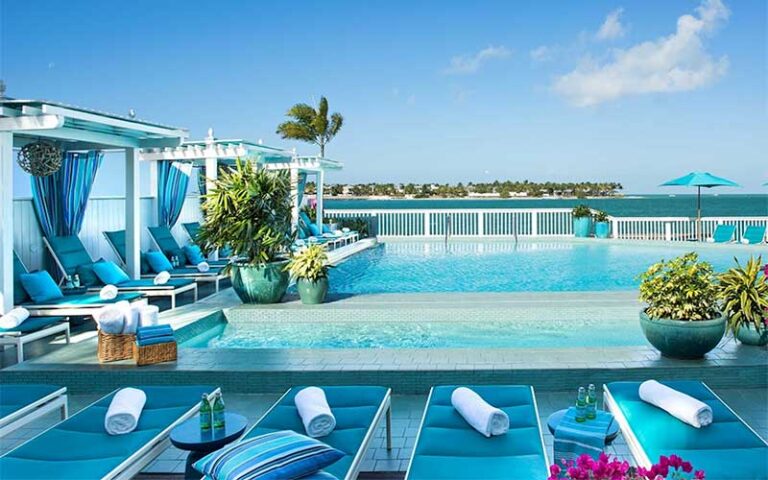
(40, 286)
(279, 455)
(109, 273)
(158, 262)
(315, 231)
(194, 254)
(87, 276)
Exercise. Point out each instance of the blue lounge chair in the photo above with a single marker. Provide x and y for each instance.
(69, 253)
(358, 411)
(447, 447)
(193, 228)
(166, 243)
(69, 305)
(80, 448)
(33, 329)
(21, 404)
(753, 235)
(727, 449)
(723, 234)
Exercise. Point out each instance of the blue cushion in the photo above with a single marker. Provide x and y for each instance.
(40, 286)
(158, 262)
(278, 455)
(32, 324)
(110, 273)
(14, 397)
(194, 254)
(87, 276)
(19, 294)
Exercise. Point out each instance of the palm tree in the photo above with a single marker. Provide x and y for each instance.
(310, 125)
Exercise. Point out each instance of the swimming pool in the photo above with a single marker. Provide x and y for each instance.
(506, 266)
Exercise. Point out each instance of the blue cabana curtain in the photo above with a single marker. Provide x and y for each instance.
(172, 184)
(60, 198)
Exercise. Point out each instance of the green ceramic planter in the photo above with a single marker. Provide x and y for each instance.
(582, 227)
(312, 293)
(260, 284)
(602, 229)
(681, 338)
(750, 336)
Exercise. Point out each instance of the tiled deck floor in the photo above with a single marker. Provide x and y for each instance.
(750, 404)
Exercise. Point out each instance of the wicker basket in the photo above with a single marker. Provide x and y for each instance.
(115, 347)
(158, 353)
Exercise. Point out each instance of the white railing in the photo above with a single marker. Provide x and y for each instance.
(676, 229)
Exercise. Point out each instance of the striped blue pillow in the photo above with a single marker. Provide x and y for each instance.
(283, 455)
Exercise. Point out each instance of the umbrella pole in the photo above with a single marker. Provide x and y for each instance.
(698, 214)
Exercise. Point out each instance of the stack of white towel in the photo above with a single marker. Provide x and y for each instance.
(14, 318)
(124, 411)
(479, 414)
(681, 406)
(118, 318)
(315, 412)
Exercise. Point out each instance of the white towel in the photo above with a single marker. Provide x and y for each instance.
(338, 233)
(345, 230)
(111, 318)
(203, 267)
(108, 292)
(314, 412)
(148, 315)
(162, 278)
(131, 319)
(745, 241)
(482, 416)
(681, 406)
(124, 411)
(14, 318)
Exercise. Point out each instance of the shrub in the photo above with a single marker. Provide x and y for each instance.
(309, 263)
(581, 211)
(607, 468)
(600, 216)
(743, 293)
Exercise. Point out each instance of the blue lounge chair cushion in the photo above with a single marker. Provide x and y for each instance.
(70, 252)
(754, 234)
(87, 276)
(354, 407)
(723, 233)
(19, 294)
(158, 262)
(41, 287)
(84, 300)
(33, 324)
(148, 283)
(109, 273)
(193, 254)
(272, 456)
(117, 239)
(725, 449)
(14, 397)
(167, 243)
(192, 228)
(449, 448)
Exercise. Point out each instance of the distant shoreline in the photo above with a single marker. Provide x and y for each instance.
(351, 197)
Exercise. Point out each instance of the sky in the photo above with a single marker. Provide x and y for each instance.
(631, 91)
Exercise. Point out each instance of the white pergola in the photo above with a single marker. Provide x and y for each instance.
(74, 128)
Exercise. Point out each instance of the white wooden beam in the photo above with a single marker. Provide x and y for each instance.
(31, 122)
(319, 198)
(78, 135)
(115, 122)
(295, 198)
(6, 219)
(132, 214)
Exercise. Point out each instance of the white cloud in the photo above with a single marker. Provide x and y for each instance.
(541, 53)
(471, 63)
(611, 27)
(677, 62)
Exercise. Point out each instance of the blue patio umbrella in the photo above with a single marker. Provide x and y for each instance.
(699, 180)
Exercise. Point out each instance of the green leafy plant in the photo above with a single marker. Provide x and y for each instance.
(600, 216)
(249, 211)
(309, 263)
(683, 288)
(743, 292)
(358, 224)
(581, 211)
(310, 125)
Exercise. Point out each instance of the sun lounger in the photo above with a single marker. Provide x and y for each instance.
(723, 234)
(166, 243)
(192, 229)
(753, 235)
(726, 449)
(69, 253)
(21, 404)
(447, 447)
(33, 329)
(358, 411)
(80, 448)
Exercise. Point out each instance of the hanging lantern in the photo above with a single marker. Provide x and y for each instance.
(40, 158)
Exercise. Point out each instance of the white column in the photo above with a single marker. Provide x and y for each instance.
(132, 213)
(295, 198)
(153, 190)
(211, 172)
(6, 220)
(319, 189)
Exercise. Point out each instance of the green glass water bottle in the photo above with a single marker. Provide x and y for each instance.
(591, 402)
(581, 405)
(205, 414)
(218, 411)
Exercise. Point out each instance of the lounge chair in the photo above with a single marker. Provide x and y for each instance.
(726, 449)
(33, 329)
(69, 253)
(310, 234)
(753, 235)
(193, 228)
(166, 243)
(116, 240)
(21, 404)
(723, 234)
(358, 411)
(78, 305)
(80, 448)
(447, 447)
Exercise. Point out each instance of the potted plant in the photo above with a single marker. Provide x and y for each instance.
(602, 227)
(744, 296)
(681, 319)
(309, 268)
(249, 211)
(582, 221)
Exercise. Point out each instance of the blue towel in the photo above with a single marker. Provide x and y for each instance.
(572, 438)
(143, 342)
(154, 331)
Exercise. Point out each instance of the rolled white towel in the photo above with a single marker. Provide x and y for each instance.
(338, 233)
(131, 320)
(111, 318)
(482, 416)
(148, 315)
(203, 267)
(124, 411)
(345, 230)
(681, 406)
(745, 241)
(108, 292)
(162, 278)
(14, 317)
(314, 412)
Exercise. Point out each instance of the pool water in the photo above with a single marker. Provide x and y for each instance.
(503, 266)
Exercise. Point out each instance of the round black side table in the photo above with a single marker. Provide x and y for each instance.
(198, 443)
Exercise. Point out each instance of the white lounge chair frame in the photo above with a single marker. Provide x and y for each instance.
(54, 401)
(19, 339)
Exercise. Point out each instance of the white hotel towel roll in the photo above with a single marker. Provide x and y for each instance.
(124, 411)
(482, 416)
(681, 406)
(108, 292)
(14, 317)
(162, 278)
(203, 267)
(315, 412)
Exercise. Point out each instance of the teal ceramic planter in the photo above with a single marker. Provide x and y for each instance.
(681, 338)
(750, 336)
(260, 283)
(602, 229)
(312, 293)
(582, 227)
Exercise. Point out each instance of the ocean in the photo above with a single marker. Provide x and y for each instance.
(629, 206)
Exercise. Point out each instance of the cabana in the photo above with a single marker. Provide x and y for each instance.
(73, 129)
